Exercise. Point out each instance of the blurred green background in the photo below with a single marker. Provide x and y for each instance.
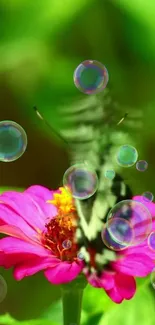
(41, 44)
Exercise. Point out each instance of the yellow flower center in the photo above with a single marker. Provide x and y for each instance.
(60, 234)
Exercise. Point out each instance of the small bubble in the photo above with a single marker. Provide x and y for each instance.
(127, 156)
(13, 141)
(67, 244)
(110, 174)
(147, 196)
(3, 289)
(151, 241)
(153, 278)
(141, 165)
(81, 180)
(91, 77)
(80, 256)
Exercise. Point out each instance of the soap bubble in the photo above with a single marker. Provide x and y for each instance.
(91, 77)
(141, 165)
(153, 278)
(80, 256)
(110, 242)
(122, 230)
(13, 141)
(147, 196)
(110, 174)
(151, 241)
(139, 220)
(67, 244)
(127, 156)
(81, 180)
(3, 289)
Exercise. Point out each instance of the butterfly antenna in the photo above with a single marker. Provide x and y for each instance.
(49, 126)
(122, 119)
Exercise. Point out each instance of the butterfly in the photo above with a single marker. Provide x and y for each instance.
(91, 134)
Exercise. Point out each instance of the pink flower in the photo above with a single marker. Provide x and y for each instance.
(38, 228)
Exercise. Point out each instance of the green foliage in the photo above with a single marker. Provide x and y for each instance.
(8, 320)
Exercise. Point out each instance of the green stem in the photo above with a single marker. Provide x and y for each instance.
(72, 294)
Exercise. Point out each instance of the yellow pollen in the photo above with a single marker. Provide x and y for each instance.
(63, 201)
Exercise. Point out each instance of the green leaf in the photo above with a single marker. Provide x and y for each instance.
(96, 300)
(8, 320)
(139, 309)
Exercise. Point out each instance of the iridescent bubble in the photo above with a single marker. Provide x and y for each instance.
(91, 77)
(110, 174)
(81, 180)
(153, 278)
(67, 244)
(147, 196)
(141, 165)
(122, 230)
(127, 156)
(3, 289)
(110, 242)
(13, 141)
(80, 256)
(151, 241)
(139, 222)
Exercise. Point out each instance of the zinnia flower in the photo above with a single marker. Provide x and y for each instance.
(39, 221)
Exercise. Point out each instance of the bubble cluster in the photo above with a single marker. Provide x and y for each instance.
(13, 141)
(3, 289)
(127, 156)
(67, 244)
(136, 225)
(153, 278)
(109, 174)
(141, 165)
(151, 241)
(91, 77)
(147, 196)
(81, 180)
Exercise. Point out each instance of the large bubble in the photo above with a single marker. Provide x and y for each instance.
(81, 180)
(136, 222)
(109, 241)
(13, 141)
(91, 77)
(127, 156)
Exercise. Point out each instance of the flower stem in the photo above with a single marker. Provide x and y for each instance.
(72, 294)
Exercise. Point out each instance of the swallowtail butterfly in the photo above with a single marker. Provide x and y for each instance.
(90, 130)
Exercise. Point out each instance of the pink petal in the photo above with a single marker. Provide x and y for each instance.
(32, 266)
(10, 245)
(40, 191)
(12, 218)
(138, 265)
(16, 232)
(126, 285)
(115, 295)
(63, 272)
(41, 195)
(106, 280)
(25, 207)
(149, 205)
